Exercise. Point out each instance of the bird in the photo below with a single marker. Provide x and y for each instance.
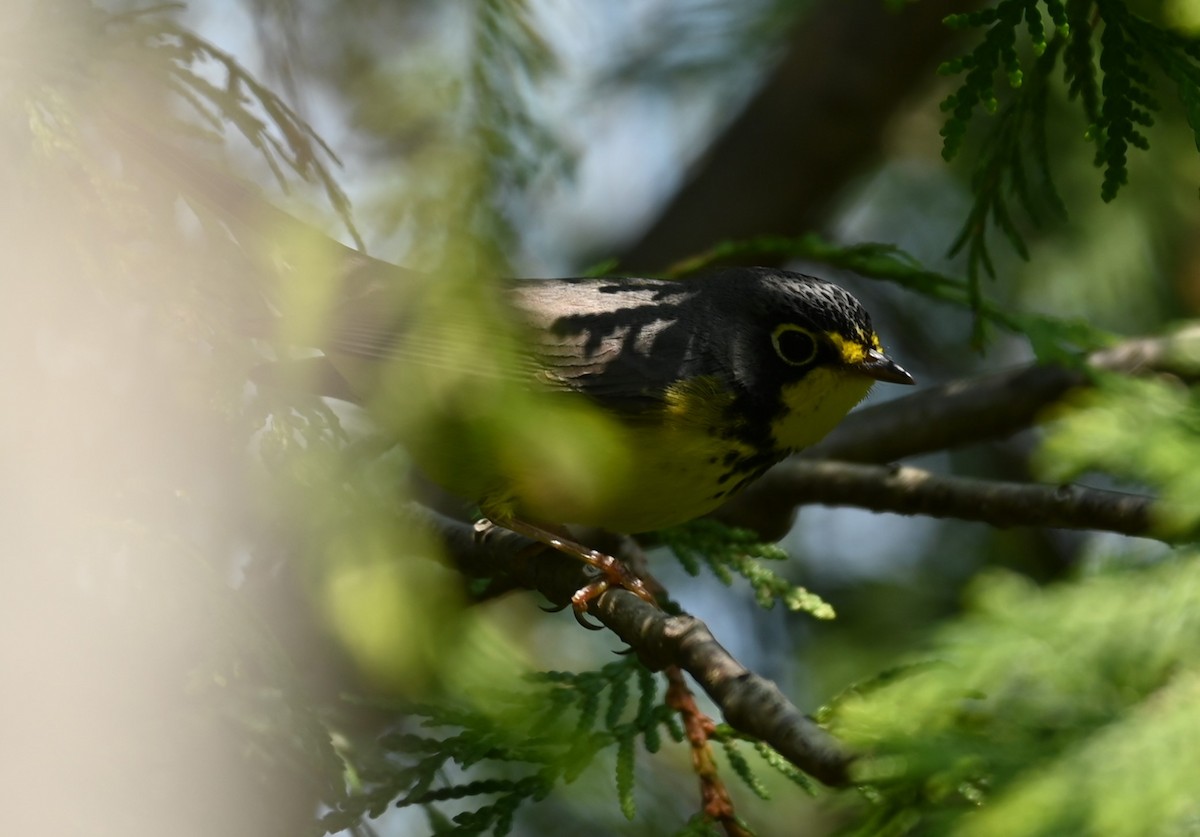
(626, 403)
(699, 385)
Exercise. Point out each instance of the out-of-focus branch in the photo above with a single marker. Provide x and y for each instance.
(817, 122)
(750, 703)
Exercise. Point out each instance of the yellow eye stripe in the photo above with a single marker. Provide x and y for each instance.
(854, 351)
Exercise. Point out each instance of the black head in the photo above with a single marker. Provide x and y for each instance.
(785, 324)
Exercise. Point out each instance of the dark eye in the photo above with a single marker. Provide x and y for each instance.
(795, 345)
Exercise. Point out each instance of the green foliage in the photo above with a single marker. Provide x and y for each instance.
(508, 54)
(742, 769)
(531, 740)
(785, 768)
(729, 740)
(169, 54)
(728, 552)
(1145, 431)
(1107, 52)
(1062, 711)
(1067, 710)
(1002, 171)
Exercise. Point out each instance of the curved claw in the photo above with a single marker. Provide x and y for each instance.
(626, 651)
(553, 608)
(581, 618)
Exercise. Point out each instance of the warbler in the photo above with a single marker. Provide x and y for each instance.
(707, 383)
(682, 392)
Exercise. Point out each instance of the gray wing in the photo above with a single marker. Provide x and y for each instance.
(621, 342)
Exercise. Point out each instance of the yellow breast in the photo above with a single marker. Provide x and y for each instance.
(640, 473)
(815, 405)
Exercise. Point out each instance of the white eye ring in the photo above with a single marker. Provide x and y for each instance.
(795, 345)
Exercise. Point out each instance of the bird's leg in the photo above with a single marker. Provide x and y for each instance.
(612, 572)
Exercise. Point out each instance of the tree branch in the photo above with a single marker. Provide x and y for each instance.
(817, 121)
(952, 415)
(907, 490)
(750, 703)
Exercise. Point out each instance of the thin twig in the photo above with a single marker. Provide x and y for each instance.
(715, 801)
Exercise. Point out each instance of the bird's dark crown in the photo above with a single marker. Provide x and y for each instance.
(786, 296)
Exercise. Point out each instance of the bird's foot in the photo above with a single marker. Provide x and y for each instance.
(612, 573)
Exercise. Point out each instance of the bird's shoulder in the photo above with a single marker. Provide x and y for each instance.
(623, 342)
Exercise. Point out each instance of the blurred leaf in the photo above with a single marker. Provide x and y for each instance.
(1144, 430)
(1056, 708)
